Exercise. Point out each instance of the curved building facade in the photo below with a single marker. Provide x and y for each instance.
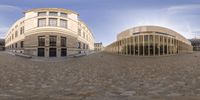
(49, 32)
(149, 41)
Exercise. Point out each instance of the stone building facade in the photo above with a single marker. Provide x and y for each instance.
(98, 47)
(49, 32)
(149, 41)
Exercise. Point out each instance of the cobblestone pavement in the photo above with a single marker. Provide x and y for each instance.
(101, 77)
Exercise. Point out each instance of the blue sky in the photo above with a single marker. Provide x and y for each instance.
(107, 18)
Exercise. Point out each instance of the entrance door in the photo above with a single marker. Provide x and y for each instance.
(41, 52)
(52, 52)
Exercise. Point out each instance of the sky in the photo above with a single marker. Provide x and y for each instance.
(107, 18)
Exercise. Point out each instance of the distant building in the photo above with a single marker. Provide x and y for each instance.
(2, 44)
(49, 32)
(149, 41)
(98, 47)
(195, 44)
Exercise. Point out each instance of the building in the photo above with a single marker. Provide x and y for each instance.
(98, 47)
(195, 44)
(2, 44)
(49, 32)
(149, 41)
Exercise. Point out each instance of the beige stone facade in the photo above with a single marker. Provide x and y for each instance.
(49, 32)
(98, 47)
(149, 41)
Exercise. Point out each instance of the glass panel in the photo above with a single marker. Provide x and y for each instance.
(52, 22)
(52, 52)
(41, 52)
(41, 22)
(53, 13)
(63, 41)
(63, 23)
(63, 52)
(63, 15)
(41, 41)
(41, 13)
(52, 40)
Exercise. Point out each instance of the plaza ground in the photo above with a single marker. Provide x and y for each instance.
(101, 76)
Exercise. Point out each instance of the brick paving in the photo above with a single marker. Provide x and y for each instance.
(101, 76)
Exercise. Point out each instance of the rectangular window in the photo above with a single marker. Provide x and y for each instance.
(63, 23)
(52, 40)
(16, 45)
(41, 40)
(52, 22)
(79, 45)
(41, 52)
(41, 22)
(53, 13)
(79, 32)
(52, 52)
(63, 15)
(63, 41)
(41, 13)
(22, 30)
(63, 52)
(22, 44)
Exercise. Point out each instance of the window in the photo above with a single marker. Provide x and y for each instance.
(79, 45)
(41, 41)
(63, 14)
(53, 14)
(41, 22)
(16, 33)
(22, 44)
(41, 52)
(52, 52)
(63, 41)
(63, 23)
(52, 40)
(41, 13)
(22, 30)
(16, 45)
(52, 22)
(79, 32)
(63, 52)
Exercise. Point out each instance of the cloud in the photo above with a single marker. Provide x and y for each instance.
(183, 8)
(9, 8)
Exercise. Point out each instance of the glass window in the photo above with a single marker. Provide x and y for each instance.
(63, 14)
(41, 52)
(63, 41)
(41, 22)
(22, 44)
(41, 13)
(52, 22)
(63, 52)
(79, 32)
(53, 13)
(22, 30)
(52, 40)
(63, 23)
(41, 40)
(79, 45)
